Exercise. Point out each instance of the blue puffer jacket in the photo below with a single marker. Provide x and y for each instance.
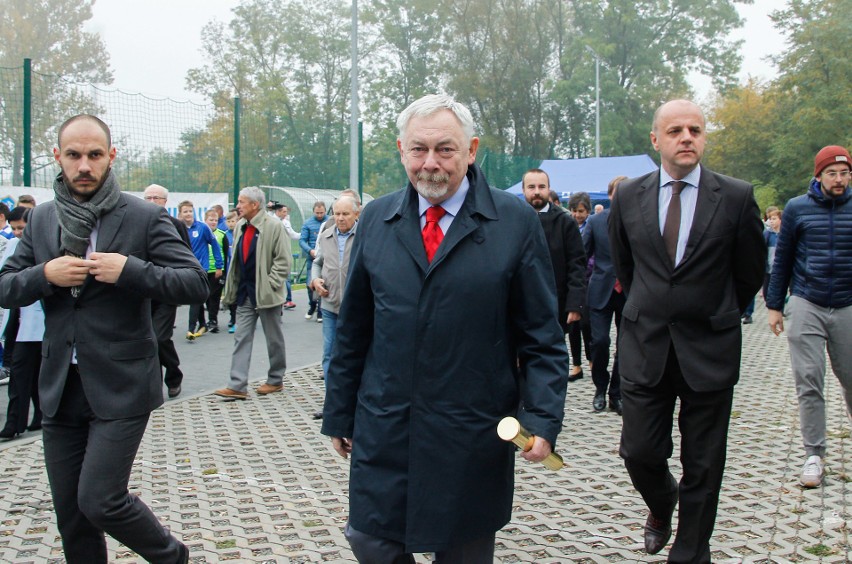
(814, 253)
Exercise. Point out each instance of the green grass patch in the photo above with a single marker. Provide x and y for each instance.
(820, 550)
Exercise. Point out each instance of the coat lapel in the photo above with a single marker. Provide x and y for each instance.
(54, 240)
(110, 222)
(705, 209)
(649, 202)
(107, 230)
(406, 227)
(477, 204)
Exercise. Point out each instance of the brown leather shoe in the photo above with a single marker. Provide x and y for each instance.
(230, 394)
(657, 534)
(264, 389)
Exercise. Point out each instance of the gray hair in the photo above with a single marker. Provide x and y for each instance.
(347, 198)
(254, 194)
(157, 187)
(431, 104)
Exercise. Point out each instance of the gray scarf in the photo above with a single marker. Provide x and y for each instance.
(77, 219)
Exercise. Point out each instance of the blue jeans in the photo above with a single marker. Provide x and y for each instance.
(329, 334)
(289, 291)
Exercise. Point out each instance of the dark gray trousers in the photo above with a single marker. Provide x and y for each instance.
(88, 464)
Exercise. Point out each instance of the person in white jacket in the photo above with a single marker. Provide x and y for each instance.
(26, 355)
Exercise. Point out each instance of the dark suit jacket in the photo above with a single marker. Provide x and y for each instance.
(596, 243)
(697, 306)
(181, 229)
(569, 261)
(110, 324)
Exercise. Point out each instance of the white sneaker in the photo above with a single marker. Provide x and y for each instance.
(4, 376)
(812, 472)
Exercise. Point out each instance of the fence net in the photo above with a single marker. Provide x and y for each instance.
(189, 147)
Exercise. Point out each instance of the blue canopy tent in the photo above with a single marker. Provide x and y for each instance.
(590, 175)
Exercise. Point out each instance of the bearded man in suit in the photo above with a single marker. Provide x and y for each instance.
(688, 250)
(96, 258)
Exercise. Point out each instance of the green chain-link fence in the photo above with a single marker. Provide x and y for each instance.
(185, 146)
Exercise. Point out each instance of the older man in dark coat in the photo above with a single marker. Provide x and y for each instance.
(433, 336)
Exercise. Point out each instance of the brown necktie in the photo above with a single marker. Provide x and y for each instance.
(432, 234)
(672, 226)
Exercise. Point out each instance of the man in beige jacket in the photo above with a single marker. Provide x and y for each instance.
(255, 283)
(331, 265)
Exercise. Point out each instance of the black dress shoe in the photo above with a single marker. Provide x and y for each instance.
(183, 557)
(657, 534)
(174, 392)
(575, 377)
(34, 426)
(599, 403)
(8, 434)
(615, 405)
(318, 415)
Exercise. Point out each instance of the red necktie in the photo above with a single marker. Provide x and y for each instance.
(248, 235)
(432, 234)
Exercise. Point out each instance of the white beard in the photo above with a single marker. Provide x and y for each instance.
(432, 186)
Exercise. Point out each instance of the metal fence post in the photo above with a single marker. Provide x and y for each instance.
(28, 119)
(361, 160)
(236, 148)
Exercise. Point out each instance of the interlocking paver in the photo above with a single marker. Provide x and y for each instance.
(254, 481)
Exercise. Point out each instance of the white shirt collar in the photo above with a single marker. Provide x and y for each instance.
(691, 179)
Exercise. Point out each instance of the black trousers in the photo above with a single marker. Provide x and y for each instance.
(88, 464)
(579, 332)
(163, 318)
(216, 285)
(23, 386)
(10, 334)
(600, 321)
(376, 550)
(646, 446)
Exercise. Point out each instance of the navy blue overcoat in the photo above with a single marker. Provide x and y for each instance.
(430, 357)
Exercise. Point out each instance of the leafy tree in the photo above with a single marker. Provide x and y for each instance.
(647, 48)
(742, 132)
(288, 62)
(52, 34)
(814, 88)
(769, 134)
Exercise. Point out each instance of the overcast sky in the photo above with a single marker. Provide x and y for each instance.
(152, 44)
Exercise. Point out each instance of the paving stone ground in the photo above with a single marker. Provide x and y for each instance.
(254, 481)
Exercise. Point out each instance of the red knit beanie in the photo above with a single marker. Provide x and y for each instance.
(830, 155)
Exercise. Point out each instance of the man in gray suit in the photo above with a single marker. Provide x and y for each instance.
(96, 258)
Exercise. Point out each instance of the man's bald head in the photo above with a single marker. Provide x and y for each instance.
(87, 117)
(677, 106)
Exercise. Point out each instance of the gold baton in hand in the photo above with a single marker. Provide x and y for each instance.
(510, 429)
